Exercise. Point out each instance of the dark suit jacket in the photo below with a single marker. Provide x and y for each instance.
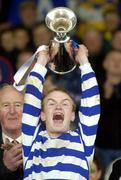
(116, 170)
(6, 174)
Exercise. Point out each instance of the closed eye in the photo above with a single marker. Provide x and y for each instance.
(18, 104)
(5, 105)
(66, 102)
(51, 103)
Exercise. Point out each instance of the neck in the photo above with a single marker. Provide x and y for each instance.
(12, 134)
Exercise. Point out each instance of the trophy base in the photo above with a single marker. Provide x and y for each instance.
(51, 67)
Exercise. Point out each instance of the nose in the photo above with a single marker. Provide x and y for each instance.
(58, 106)
(12, 109)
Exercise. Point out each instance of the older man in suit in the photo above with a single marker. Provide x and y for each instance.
(11, 104)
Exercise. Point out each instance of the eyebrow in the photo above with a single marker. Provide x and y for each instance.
(66, 99)
(12, 102)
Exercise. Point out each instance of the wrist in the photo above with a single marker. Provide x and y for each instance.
(42, 60)
(83, 60)
(42, 55)
(9, 168)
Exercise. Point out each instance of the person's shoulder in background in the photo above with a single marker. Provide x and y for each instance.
(114, 170)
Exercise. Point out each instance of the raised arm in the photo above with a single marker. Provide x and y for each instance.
(89, 111)
(32, 102)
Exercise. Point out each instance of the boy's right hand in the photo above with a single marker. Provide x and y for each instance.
(43, 56)
(47, 54)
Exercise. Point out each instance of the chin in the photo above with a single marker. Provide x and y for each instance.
(60, 131)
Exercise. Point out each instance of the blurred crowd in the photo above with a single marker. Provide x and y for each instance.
(23, 30)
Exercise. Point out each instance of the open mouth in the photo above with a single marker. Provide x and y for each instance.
(58, 118)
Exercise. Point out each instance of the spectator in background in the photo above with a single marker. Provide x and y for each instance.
(108, 141)
(7, 46)
(90, 13)
(21, 13)
(27, 10)
(43, 7)
(21, 38)
(93, 40)
(22, 57)
(6, 71)
(116, 40)
(114, 170)
(96, 168)
(28, 14)
(111, 21)
(13, 15)
(7, 40)
(41, 35)
(11, 102)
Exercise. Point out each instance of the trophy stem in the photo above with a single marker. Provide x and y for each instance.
(62, 63)
(61, 38)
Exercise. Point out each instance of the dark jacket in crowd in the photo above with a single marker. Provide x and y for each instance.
(6, 174)
(109, 128)
(116, 170)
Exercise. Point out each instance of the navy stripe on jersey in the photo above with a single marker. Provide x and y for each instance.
(90, 92)
(54, 152)
(88, 76)
(89, 131)
(33, 91)
(32, 110)
(90, 111)
(61, 167)
(35, 74)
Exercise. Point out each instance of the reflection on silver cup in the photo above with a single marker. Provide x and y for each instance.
(61, 20)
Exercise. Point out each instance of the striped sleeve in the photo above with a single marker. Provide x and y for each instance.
(89, 111)
(32, 107)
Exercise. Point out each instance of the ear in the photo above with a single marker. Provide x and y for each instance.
(73, 116)
(42, 115)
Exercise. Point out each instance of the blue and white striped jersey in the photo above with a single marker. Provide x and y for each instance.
(69, 156)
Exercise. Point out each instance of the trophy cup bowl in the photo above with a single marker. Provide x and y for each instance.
(61, 20)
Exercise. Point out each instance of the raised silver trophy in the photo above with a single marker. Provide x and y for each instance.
(61, 20)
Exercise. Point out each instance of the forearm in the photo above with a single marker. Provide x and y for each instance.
(89, 111)
(33, 96)
(32, 106)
